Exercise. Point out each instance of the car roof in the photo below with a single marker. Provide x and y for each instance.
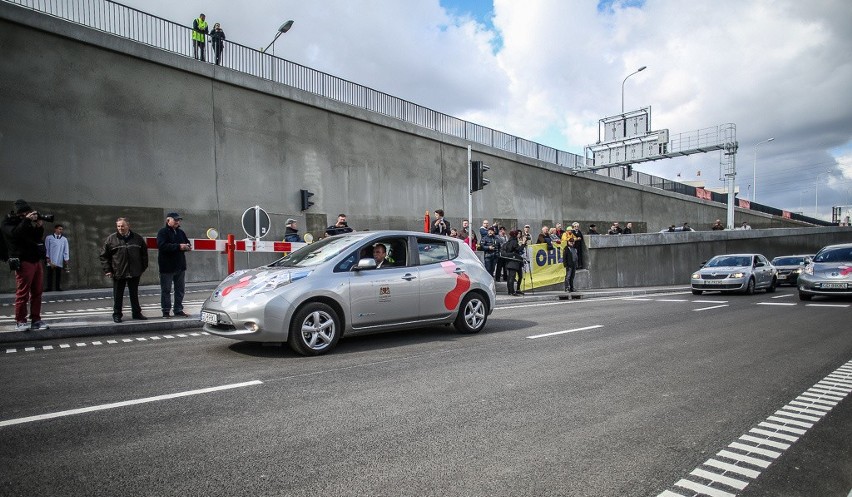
(737, 255)
(839, 245)
(367, 234)
(795, 255)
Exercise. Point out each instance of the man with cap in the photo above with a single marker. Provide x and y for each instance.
(172, 244)
(23, 235)
(291, 232)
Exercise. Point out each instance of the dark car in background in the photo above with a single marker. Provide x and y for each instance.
(829, 275)
(790, 267)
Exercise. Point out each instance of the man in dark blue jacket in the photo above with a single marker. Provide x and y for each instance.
(172, 244)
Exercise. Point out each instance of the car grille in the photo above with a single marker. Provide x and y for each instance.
(784, 271)
(713, 276)
(720, 286)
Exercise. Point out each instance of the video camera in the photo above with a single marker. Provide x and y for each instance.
(45, 217)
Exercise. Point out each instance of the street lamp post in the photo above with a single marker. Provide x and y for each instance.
(625, 80)
(816, 192)
(281, 30)
(754, 169)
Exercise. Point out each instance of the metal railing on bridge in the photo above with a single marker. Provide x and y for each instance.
(126, 22)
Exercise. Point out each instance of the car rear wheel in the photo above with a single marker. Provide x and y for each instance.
(315, 329)
(750, 287)
(805, 296)
(473, 312)
(772, 286)
(697, 292)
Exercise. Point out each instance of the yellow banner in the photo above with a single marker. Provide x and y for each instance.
(547, 268)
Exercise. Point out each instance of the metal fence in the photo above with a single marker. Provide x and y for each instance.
(129, 23)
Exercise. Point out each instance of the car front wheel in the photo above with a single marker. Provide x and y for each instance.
(473, 312)
(750, 287)
(315, 329)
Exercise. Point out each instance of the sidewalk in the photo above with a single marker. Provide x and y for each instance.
(70, 327)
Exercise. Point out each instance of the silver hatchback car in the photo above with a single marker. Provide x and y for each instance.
(735, 273)
(357, 282)
(829, 274)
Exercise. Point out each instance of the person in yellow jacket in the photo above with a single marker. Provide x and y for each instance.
(199, 36)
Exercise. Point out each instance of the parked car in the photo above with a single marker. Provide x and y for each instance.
(830, 273)
(790, 266)
(735, 273)
(335, 286)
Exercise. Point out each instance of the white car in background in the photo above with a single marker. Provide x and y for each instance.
(735, 273)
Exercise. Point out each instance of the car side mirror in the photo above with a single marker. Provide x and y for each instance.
(759, 264)
(366, 263)
(703, 263)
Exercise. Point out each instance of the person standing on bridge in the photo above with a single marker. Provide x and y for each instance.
(173, 245)
(199, 36)
(124, 257)
(217, 39)
(570, 261)
(23, 243)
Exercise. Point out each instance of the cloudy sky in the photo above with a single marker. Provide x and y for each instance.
(549, 70)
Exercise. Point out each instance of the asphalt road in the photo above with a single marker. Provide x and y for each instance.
(637, 396)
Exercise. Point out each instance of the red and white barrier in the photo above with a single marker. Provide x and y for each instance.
(231, 246)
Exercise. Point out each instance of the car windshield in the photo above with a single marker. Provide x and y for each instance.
(788, 261)
(316, 253)
(838, 254)
(728, 260)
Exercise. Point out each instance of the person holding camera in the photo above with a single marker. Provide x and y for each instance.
(23, 235)
(440, 226)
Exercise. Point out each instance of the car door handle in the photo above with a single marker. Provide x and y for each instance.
(459, 270)
(409, 277)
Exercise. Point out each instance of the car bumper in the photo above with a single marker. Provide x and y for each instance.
(250, 321)
(820, 286)
(723, 285)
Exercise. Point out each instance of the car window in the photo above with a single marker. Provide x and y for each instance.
(431, 251)
(722, 261)
(839, 254)
(788, 261)
(316, 253)
(396, 249)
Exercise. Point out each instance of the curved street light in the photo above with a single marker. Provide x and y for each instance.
(754, 170)
(625, 80)
(281, 30)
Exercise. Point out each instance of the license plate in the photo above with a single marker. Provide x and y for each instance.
(838, 286)
(782, 276)
(209, 317)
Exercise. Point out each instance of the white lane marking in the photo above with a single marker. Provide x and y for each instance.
(638, 299)
(711, 307)
(566, 331)
(782, 296)
(71, 412)
(778, 431)
(82, 344)
(11, 351)
(112, 341)
(827, 305)
(47, 347)
(710, 301)
(672, 300)
(777, 303)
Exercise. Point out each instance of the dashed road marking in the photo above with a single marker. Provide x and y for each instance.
(777, 303)
(99, 342)
(711, 307)
(566, 331)
(827, 305)
(731, 469)
(783, 296)
(102, 407)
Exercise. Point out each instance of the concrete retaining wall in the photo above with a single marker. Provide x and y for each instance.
(95, 127)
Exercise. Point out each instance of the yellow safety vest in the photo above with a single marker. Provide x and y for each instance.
(202, 25)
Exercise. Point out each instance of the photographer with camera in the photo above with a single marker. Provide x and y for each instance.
(23, 235)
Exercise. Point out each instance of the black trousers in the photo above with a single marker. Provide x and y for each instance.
(513, 278)
(54, 278)
(569, 278)
(118, 295)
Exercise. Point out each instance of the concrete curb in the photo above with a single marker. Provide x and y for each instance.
(104, 327)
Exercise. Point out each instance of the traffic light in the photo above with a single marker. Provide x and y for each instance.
(306, 199)
(477, 175)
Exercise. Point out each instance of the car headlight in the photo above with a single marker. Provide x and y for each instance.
(270, 281)
(809, 270)
(736, 275)
(797, 270)
(696, 276)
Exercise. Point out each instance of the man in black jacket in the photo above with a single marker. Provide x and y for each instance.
(23, 235)
(569, 260)
(124, 257)
(172, 244)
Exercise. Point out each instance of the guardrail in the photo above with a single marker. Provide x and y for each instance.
(126, 22)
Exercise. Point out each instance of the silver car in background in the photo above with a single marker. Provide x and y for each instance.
(829, 274)
(790, 267)
(735, 273)
(332, 287)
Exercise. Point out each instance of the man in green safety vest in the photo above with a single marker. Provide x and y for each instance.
(199, 36)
